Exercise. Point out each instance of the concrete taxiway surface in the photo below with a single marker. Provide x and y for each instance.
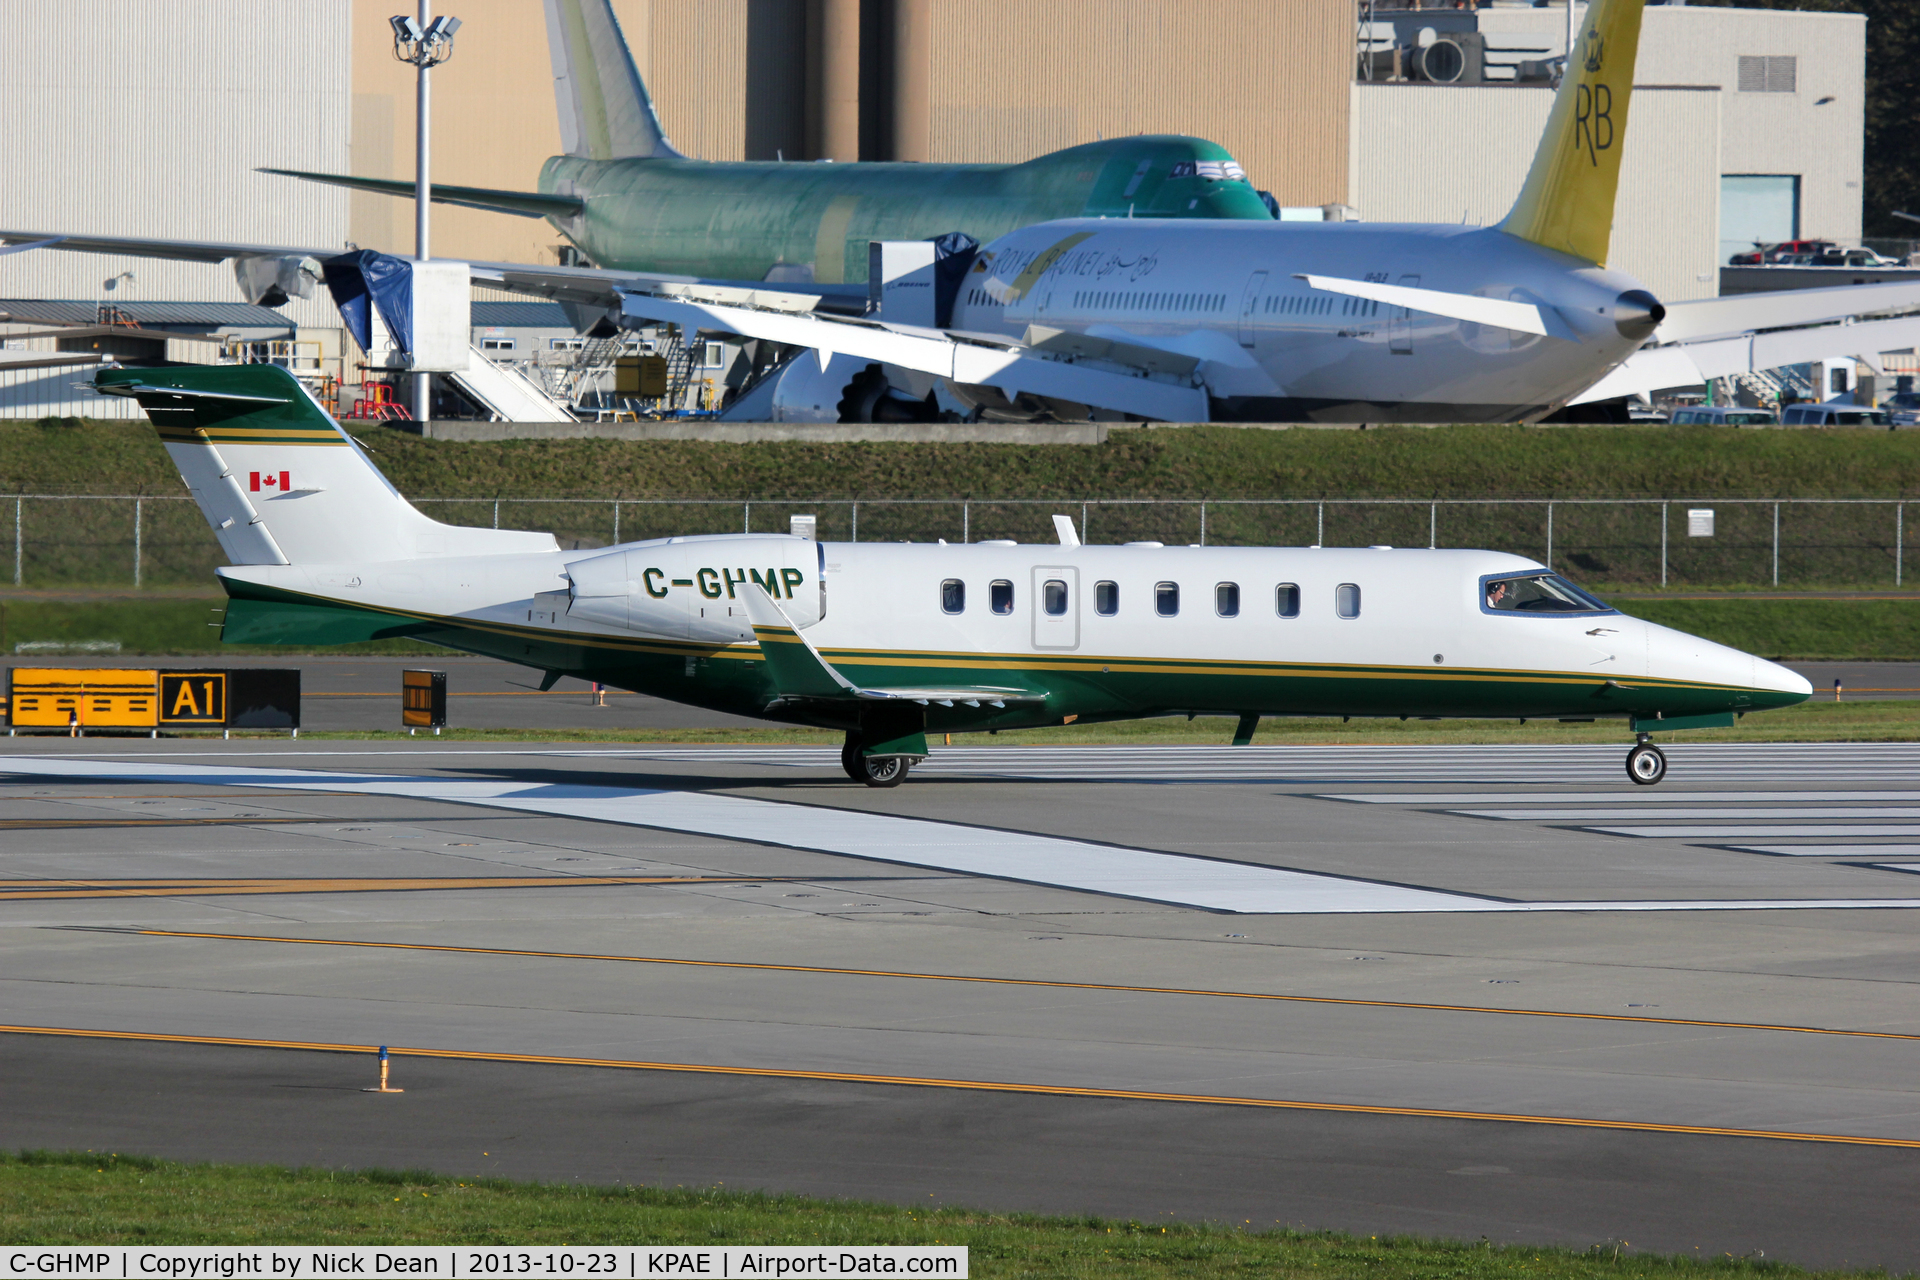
(1459, 991)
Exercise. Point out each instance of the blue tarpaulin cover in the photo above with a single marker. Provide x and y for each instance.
(364, 280)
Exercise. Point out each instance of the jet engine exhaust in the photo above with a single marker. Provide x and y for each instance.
(1637, 313)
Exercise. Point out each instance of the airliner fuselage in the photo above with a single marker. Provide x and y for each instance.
(1277, 349)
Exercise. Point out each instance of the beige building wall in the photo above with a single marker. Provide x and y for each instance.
(1013, 79)
(1443, 153)
(494, 122)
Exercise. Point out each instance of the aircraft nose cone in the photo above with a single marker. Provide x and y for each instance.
(1775, 678)
(1637, 313)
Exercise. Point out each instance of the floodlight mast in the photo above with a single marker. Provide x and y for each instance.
(426, 43)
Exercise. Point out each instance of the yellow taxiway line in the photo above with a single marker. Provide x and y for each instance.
(1025, 982)
(983, 1086)
(32, 890)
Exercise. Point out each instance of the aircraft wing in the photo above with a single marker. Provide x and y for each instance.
(1158, 385)
(802, 675)
(590, 286)
(1725, 337)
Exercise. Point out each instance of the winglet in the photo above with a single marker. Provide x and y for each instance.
(797, 667)
(1063, 529)
(1567, 202)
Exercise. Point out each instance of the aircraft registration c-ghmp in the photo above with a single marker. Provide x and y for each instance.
(888, 642)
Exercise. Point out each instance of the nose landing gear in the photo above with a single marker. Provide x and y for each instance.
(1646, 763)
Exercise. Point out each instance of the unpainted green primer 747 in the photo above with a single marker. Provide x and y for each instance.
(631, 202)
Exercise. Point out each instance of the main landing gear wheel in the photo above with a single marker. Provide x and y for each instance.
(874, 771)
(883, 771)
(1646, 764)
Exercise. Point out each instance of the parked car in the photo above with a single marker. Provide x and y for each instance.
(1833, 415)
(1722, 416)
(1903, 408)
(1853, 258)
(1773, 254)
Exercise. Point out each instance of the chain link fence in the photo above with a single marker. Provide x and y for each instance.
(102, 541)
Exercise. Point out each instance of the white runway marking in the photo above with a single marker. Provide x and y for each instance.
(1755, 831)
(1174, 879)
(1833, 851)
(1748, 812)
(1638, 795)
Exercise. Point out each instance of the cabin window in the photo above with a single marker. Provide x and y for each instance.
(1346, 600)
(1000, 596)
(1537, 593)
(1053, 597)
(1166, 598)
(953, 596)
(1106, 598)
(1286, 600)
(1226, 599)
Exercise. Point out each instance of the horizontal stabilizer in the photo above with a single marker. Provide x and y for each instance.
(1522, 317)
(525, 204)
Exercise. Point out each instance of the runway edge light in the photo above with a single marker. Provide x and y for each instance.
(383, 1086)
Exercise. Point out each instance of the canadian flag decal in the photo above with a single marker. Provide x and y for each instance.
(271, 480)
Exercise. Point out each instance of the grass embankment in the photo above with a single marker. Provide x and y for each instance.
(75, 456)
(1812, 630)
(83, 1198)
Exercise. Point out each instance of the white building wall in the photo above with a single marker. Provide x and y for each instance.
(148, 117)
(1441, 153)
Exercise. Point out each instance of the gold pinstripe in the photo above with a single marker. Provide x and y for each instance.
(895, 658)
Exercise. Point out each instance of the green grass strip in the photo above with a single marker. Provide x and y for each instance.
(98, 1198)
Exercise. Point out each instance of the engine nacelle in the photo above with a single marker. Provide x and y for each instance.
(691, 588)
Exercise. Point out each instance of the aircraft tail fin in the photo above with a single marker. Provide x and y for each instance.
(1567, 202)
(278, 479)
(605, 113)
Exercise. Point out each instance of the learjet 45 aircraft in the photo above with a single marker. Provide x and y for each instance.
(887, 642)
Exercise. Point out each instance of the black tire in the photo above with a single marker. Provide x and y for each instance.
(850, 760)
(883, 771)
(1646, 764)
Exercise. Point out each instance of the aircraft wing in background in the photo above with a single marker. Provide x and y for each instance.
(296, 270)
(1748, 332)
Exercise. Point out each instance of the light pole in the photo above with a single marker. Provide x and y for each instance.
(426, 43)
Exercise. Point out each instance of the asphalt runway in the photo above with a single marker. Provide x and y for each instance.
(1454, 991)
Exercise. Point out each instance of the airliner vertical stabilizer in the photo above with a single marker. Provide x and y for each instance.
(1567, 202)
(605, 113)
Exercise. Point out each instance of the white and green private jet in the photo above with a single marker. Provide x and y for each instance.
(889, 641)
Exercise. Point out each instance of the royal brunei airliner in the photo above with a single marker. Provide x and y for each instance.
(887, 642)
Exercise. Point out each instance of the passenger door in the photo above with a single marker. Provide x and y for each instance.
(1249, 303)
(1400, 323)
(1056, 607)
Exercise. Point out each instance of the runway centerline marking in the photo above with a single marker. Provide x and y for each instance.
(602, 957)
(983, 1086)
(1175, 879)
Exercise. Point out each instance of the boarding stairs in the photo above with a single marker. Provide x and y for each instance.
(505, 393)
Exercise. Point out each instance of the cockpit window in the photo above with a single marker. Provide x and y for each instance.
(1537, 593)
